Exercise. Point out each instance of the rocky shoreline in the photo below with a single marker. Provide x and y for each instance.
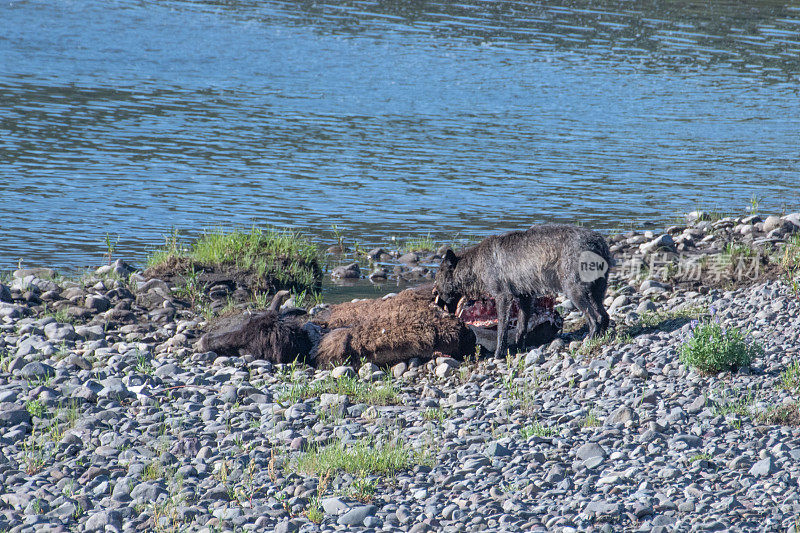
(112, 420)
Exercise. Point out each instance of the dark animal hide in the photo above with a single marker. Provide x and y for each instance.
(383, 331)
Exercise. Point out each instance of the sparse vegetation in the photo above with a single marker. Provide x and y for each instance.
(699, 457)
(790, 378)
(591, 420)
(734, 251)
(420, 244)
(712, 348)
(785, 415)
(670, 319)
(382, 393)
(536, 429)
(363, 457)
(732, 403)
(436, 414)
(35, 408)
(517, 386)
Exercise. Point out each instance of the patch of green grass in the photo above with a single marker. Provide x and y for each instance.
(35, 408)
(365, 456)
(278, 258)
(734, 403)
(314, 511)
(664, 320)
(785, 415)
(591, 420)
(790, 252)
(420, 244)
(152, 471)
(143, 364)
(700, 457)
(517, 387)
(536, 429)
(377, 393)
(61, 316)
(34, 454)
(789, 261)
(734, 252)
(363, 489)
(45, 381)
(610, 337)
(712, 348)
(790, 378)
(436, 414)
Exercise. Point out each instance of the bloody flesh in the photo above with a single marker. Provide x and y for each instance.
(483, 313)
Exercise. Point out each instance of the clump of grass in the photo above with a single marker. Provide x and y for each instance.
(712, 348)
(734, 251)
(790, 378)
(314, 511)
(34, 454)
(383, 393)
(591, 420)
(700, 457)
(664, 320)
(35, 408)
(733, 404)
(610, 337)
(436, 414)
(365, 456)
(536, 429)
(275, 258)
(420, 244)
(61, 316)
(790, 252)
(785, 415)
(789, 262)
(517, 387)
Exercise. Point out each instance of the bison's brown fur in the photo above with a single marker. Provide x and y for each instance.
(391, 330)
(384, 331)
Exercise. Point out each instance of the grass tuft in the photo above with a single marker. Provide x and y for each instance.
(380, 393)
(712, 348)
(420, 244)
(363, 457)
(536, 429)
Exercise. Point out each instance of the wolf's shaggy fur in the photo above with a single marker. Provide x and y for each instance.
(388, 331)
(543, 260)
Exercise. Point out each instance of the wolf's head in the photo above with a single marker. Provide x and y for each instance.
(444, 287)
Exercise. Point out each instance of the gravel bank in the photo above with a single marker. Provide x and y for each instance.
(110, 420)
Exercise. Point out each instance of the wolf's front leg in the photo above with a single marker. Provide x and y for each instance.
(503, 309)
(524, 315)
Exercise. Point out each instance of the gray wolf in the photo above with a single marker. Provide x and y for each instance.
(524, 265)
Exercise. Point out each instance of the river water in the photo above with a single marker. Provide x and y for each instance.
(386, 118)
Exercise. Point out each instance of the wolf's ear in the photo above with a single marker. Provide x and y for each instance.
(450, 258)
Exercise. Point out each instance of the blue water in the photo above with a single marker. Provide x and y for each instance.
(385, 118)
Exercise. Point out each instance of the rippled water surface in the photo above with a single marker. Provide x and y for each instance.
(386, 118)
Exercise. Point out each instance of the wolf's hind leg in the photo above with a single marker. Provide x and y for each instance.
(525, 303)
(503, 303)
